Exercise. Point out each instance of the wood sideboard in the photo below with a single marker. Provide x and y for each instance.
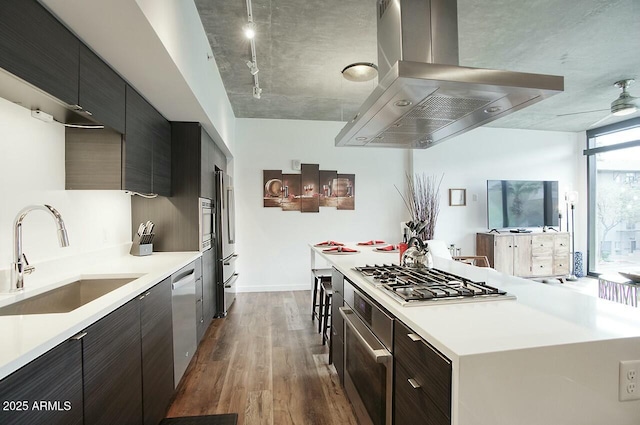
(526, 254)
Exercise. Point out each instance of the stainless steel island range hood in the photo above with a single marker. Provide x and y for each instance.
(423, 96)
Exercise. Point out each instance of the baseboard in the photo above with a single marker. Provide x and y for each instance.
(273, 288)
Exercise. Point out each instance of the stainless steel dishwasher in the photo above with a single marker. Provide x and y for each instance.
(183, 300)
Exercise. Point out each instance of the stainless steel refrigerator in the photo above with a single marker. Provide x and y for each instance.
(227, 276)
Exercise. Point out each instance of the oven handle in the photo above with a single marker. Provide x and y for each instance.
(381, 355)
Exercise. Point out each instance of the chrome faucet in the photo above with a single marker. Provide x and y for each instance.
(20, 265)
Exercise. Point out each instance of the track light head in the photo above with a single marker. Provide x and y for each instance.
(249, 30)
(253, 67)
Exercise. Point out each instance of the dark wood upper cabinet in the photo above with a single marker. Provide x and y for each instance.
(102, 91)
(112, 368)
(161, 139)
(138, 145)
(36, 47)
(157, 352)
(147, 148)
(54, 377)
(207, 166)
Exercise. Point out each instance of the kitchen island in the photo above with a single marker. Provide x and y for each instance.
(550, 356)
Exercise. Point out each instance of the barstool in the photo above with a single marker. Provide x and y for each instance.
(319, 276)
(327, 291)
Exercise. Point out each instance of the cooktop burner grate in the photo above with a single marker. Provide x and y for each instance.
(414, 286)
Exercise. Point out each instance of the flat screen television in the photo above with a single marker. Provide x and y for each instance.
(522, 203)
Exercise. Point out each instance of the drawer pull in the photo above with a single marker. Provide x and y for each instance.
(413, 383)
(414, 337)
(79, 336)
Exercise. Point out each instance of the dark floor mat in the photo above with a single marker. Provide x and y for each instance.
(227, 419)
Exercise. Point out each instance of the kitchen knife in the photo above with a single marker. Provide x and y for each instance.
(141, 229)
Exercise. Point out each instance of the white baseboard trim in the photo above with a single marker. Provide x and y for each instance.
(273, 288)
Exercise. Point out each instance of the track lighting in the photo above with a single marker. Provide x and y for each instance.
(253, 67)
(249, 30)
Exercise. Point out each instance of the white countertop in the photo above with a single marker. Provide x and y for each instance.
(542, 315)
(25, 337)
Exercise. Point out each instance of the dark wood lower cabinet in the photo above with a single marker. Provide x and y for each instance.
(46, 391)
(118, 371)
(413, 405)
(157, 352)
(422, 385)
(336, 345)
(208, 286)
(112, 368)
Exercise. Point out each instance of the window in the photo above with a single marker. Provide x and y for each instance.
(614, 197)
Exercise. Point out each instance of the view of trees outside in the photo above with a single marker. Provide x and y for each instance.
(618, 204)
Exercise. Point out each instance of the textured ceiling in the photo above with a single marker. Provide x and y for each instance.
(302, 45)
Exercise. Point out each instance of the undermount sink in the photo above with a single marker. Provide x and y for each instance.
(66, 298)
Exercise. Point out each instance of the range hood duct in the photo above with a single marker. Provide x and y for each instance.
(423, 97)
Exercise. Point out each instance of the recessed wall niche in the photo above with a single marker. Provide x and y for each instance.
(308, 191)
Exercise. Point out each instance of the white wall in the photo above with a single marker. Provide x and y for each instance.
(471, 159)
(32, 172)
(178, 25)
(271, 243)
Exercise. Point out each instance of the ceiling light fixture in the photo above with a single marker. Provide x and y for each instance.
(625, 103)
(360, 72)
(250, 32)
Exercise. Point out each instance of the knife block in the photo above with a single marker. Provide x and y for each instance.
(142, 245)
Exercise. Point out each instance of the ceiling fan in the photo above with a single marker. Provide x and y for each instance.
(625, 104)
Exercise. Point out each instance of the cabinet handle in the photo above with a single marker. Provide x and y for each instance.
(79, 336)
(414, 337)
(414, 383)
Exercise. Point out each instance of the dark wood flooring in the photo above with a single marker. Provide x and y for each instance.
(266, 362)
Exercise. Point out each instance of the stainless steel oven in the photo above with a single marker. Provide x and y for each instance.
(206, 227)
(368, 358)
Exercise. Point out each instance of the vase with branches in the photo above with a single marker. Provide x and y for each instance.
(423, 203)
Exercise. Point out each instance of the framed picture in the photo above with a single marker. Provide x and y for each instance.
(457, 197)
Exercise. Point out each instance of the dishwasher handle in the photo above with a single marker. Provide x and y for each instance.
(186, 280)
(381, 355)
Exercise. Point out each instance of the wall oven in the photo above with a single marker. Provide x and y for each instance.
(206, 215)
(368, 359)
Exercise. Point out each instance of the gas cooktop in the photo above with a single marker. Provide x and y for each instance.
(422, 286)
